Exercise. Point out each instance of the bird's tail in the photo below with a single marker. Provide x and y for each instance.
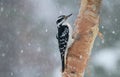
(63, 63)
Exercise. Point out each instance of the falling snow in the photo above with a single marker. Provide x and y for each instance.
(11, 73)
(1, 9)
(3, 54)
(116, 19)
(102, 27)
(60, 12)
(36, 54)
(81, 56)
(21, 51)
(18, 32)
(29, 44)
(46, 30)
(113, 32)
(38, 49)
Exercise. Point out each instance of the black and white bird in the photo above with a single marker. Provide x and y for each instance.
(64, 37)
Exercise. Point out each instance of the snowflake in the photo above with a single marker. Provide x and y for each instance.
(102, 27)
(80, 56)
(46, 30)
(11, 74)
(18, 32)
(116, 19)
(1, 9)
(3, 54)
(60, 12)
(113, 32)
(38, 49)
(29, 44)
(21, 51)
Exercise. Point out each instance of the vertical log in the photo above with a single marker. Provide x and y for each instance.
(85, 33)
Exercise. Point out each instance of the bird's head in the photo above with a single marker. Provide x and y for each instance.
(62, 18)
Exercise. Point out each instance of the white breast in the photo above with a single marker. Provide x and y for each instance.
(70, 40)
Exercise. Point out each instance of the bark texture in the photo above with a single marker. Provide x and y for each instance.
(85, 33)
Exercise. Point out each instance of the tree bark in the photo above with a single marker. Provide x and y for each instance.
(86, 30)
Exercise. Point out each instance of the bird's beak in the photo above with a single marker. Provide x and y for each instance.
(68, 15)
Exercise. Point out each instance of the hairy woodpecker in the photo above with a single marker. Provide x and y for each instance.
(64, 37)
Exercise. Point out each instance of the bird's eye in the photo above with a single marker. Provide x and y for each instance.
(59, 20)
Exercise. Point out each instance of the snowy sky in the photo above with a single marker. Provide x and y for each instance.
(28, 47)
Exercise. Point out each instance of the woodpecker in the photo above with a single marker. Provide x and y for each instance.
(64, 37)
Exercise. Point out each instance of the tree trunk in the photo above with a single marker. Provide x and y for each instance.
(85, 33)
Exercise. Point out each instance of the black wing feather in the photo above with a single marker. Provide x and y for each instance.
(62, 36)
